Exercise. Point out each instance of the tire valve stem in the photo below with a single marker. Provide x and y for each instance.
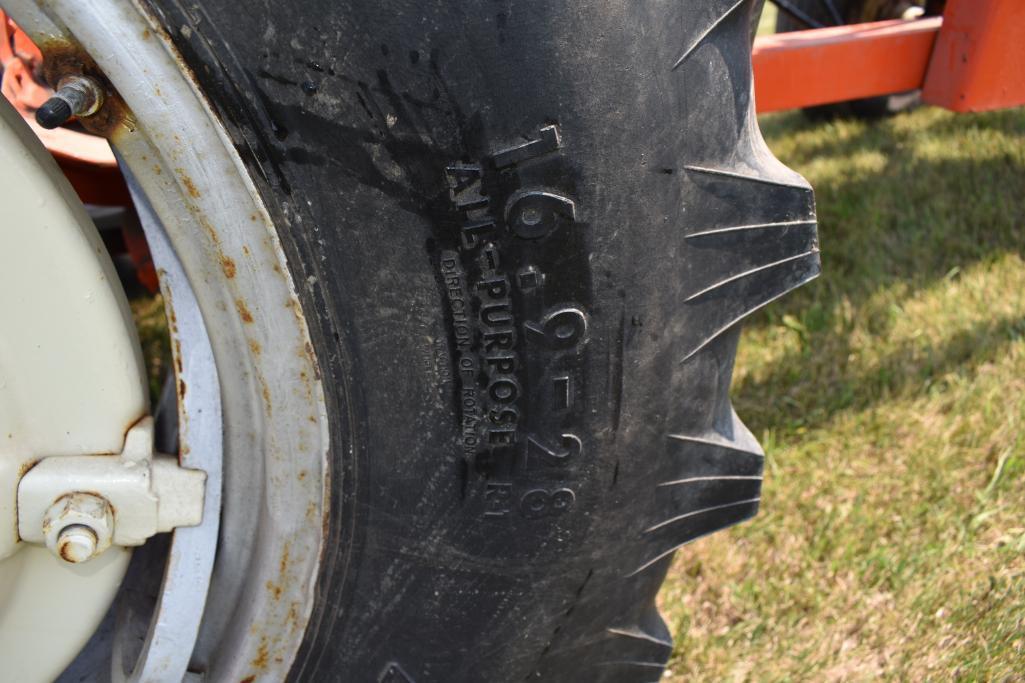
(75, 96)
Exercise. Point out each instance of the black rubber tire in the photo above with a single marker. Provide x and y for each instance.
(852, 12)
(550, 215)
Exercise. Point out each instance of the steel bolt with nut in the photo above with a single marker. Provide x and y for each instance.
(76, 543)
(78, 527)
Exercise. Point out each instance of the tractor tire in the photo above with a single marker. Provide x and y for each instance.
(524, 236)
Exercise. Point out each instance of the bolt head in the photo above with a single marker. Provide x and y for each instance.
(76, 543)
(78, 527)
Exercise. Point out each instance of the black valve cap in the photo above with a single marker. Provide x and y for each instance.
(54, 112)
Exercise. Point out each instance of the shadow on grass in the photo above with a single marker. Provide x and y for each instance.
(815, 388)
(902, 205)
(886, 133)
(911, 220)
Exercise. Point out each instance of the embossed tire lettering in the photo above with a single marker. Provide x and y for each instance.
(524, 235)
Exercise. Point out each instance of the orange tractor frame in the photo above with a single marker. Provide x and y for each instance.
(970, 59)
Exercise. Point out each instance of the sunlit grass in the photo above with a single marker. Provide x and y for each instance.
(890, 398)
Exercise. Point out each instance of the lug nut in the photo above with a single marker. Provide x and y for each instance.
(75, 96)
(78, 527)
(76, 543)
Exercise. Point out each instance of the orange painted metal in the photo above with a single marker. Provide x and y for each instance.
(979, 60)
(970, 60)
(836, 64)
(95, 184)
(138, 252)
(18, 54)
(85, 159)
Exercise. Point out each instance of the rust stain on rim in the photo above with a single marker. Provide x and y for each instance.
(228, 266)
(187, 181)
(262, 655)
(243, 311)
(177, 353)
(67, 58)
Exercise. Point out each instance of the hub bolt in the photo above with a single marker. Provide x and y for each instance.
(76, 543)
(78, 527)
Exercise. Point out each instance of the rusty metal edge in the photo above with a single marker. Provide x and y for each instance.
(174, 627)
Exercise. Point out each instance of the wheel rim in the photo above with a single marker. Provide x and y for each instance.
(274, 425)
(61, 394)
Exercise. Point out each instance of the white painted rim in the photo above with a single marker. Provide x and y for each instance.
(274, 416)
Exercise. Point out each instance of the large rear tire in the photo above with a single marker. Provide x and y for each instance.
(524, 235)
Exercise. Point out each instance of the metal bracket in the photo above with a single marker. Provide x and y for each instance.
(118, 499)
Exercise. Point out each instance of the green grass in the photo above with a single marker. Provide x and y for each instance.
(890, 398)
(151, 325)
(767, 20)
